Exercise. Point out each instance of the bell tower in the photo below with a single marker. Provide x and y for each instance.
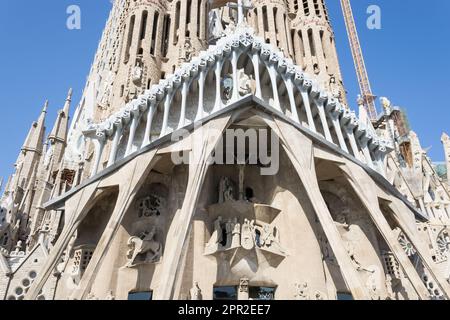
(313, 42)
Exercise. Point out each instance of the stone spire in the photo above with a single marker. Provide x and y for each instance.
(31, 151)
(36, 134)
(59, 131)
(446, 142)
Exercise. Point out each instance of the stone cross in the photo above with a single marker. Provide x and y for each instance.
(242, 9)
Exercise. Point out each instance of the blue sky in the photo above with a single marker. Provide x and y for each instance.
(40, 59)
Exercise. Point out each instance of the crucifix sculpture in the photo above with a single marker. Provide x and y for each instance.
(242, 7)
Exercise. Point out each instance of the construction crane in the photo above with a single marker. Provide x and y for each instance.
(361, 71)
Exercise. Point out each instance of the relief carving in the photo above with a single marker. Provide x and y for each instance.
(226, 190)
(302, 292)
(196, 293)
(150, 206)
(231, 235)
(144, 249)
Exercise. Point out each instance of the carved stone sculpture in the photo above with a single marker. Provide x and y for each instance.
(215, 243)
(244, 83)
(243, 285)
(150, 206)
(188, 50)
(137, 74)
(248, 231)
(226, 190)
(301, 291)
(196, 293)
(216, 29)
(236, 234)
(374, 282)
(144, 249)
(110, 296)
(269, 239)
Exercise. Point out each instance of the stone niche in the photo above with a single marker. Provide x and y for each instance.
(240, 224)
(243, 233)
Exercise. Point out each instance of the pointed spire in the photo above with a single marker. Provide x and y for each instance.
(34, 141)
(45, 109)
(445, 138)
(59, 131)
(446, 143)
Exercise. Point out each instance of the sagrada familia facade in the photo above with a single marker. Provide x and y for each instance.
(99, 208)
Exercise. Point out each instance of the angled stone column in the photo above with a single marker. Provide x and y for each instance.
(320, 100)
(350, 122)
(115, 142)
(201, 89)
(135, 173)
(234, 62)
(273, 79)
(363, 142)
(148, 126)
(99, 145)
(217, 72)
(304, 88)
(334, 111)
(303, 161)
(167, 105)
(132, 133)
(364, 188)
(290, 90)
(203, 142)
(255, 61)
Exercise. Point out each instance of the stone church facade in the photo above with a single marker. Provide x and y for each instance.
(125, 202)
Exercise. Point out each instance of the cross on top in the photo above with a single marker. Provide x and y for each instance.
(242, 7)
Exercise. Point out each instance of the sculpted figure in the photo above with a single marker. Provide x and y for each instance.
(270, 239)
(110, 296)
(229, 226)
(226, 190)
(150, 206)
(196, 292)
(244, 83)
(248, 231)
(236, 234)
(301, 291)
(144, 249)
(137, 74)
(188, 50)
(214, 243)
(216, 29)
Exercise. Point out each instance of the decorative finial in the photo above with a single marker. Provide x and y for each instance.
(445, 137)
(242, 7)
(44, 110)
(69, 95)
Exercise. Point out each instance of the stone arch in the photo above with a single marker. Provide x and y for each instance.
(87, 235)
